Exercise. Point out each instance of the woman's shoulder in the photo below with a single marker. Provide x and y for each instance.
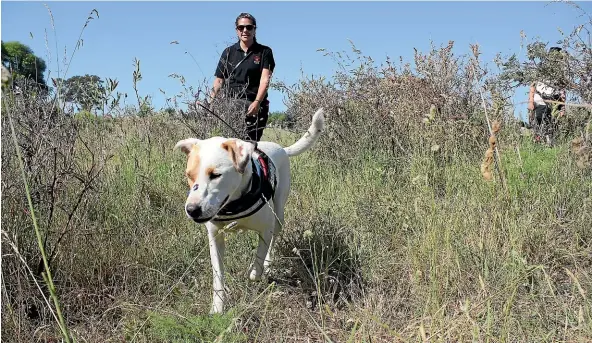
(263, 46)
(232, 46)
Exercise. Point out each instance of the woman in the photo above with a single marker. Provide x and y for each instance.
(245, 68)
(544, 100)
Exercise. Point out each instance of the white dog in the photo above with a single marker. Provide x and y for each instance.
(231, 180)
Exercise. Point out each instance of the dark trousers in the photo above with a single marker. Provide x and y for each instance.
(256, 124)
(542, 117)
(544, 122)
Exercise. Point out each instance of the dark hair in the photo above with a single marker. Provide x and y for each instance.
(247, 16)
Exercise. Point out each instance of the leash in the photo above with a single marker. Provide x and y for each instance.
(231, 74)
(269, 176)
(245, 136)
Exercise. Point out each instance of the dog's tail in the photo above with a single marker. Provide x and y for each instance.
(310, 137)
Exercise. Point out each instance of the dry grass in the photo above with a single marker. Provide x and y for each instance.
(391, 233)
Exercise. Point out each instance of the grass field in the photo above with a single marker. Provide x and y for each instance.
(392, 233)
(410, 249)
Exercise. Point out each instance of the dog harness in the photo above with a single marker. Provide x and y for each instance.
(263, 184)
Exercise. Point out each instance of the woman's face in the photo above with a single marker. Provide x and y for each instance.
(245, 30)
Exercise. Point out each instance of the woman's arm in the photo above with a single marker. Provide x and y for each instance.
(263, 87)
(531, 98)
(218, 82)
(267, 68)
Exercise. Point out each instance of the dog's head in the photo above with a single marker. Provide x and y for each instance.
(217, 171)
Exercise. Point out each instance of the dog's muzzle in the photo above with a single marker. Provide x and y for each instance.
(196, 212)
(193, 210)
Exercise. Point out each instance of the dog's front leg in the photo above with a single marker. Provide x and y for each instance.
(277, 229)
(216, 240)
(257, 266)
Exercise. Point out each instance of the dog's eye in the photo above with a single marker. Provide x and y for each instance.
(214, 176)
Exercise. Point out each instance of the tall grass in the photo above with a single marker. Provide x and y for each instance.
(391, 232)
(47, 276)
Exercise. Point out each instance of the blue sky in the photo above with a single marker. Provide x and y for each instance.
(294, 30)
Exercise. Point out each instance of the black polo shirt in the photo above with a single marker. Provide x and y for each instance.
(245, 79)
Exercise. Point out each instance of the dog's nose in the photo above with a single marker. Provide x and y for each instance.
(193, 210)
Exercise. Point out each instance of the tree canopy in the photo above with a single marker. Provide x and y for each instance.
(86, 91)
(20, 60)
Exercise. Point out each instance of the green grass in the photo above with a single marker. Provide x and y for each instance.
(372, 249)
(385, 239)
(204, 328)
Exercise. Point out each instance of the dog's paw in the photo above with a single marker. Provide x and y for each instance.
(254, 273)
(267, 266)
(217, 309)
(268, 270)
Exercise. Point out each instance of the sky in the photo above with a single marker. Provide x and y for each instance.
(295, 30)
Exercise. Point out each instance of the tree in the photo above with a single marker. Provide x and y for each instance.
(86, 91)
(20, 60)
(4, 55)
(570, 68)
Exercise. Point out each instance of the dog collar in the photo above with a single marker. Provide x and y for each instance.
(263, 184)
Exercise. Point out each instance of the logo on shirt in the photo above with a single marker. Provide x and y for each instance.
(256, 59)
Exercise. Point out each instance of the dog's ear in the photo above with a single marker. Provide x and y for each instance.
(186, 144)
(240, 153)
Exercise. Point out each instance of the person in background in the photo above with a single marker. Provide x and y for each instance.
(244, 72)
(546, 103)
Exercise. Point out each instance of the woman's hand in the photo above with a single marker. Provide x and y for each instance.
(253, 108)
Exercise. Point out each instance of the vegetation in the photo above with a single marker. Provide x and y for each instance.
(86, 91)
(392, 232)
(22, 62)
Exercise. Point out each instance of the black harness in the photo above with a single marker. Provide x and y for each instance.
(263, 184)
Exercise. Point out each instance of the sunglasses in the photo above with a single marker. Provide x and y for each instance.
(248, 27)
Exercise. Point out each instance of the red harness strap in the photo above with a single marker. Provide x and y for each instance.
(264, 167)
